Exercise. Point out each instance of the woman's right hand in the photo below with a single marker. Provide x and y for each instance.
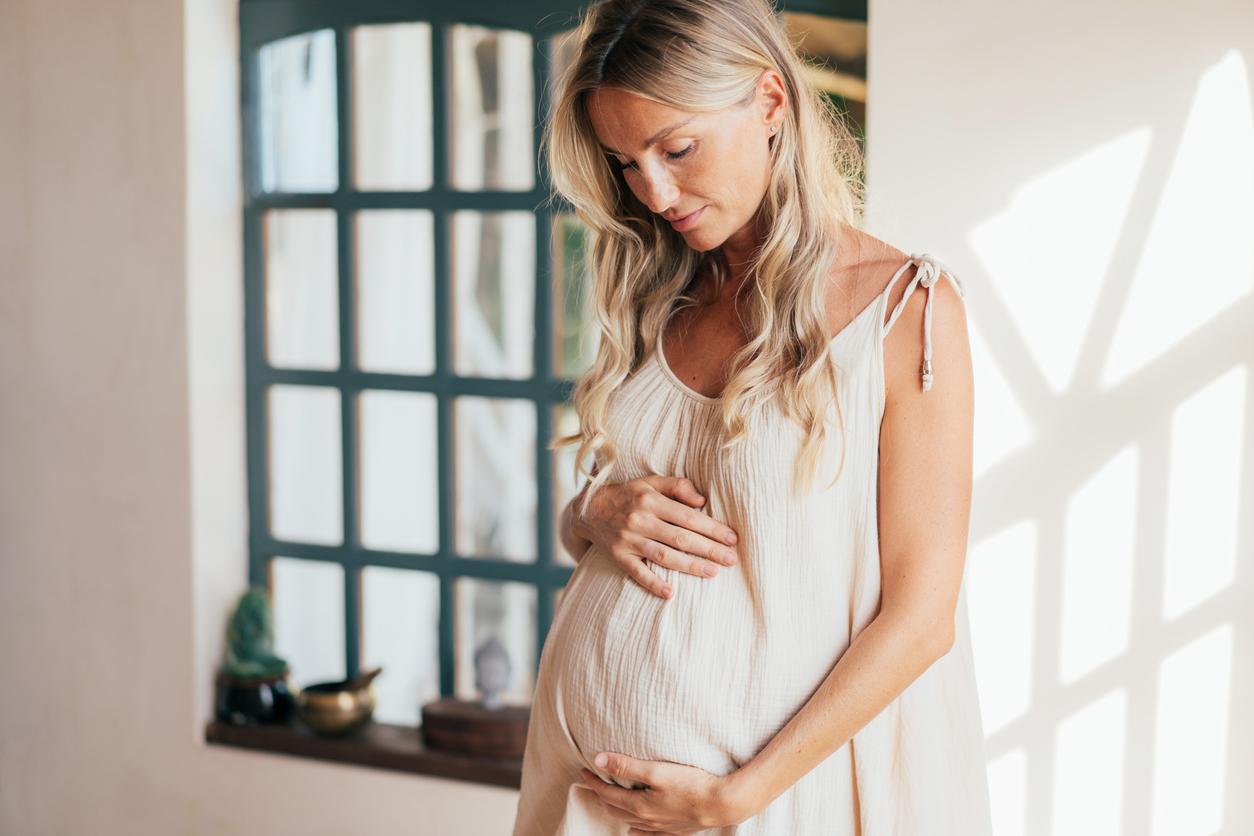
(654, 518)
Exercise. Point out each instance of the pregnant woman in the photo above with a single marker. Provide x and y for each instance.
(766, 630)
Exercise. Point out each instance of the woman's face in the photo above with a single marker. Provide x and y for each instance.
(704, 172)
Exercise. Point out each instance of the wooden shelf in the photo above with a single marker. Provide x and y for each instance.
(381, 745)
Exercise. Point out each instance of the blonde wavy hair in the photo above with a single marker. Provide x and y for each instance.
(702, 56)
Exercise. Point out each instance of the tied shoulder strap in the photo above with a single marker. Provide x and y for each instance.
(930, 270)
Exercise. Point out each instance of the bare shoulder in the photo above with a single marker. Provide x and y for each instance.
(947, 337)
(866, 265)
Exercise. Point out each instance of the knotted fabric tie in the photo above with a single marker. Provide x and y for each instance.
(930, 269)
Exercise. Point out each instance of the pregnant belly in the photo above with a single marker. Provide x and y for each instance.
(700, 679)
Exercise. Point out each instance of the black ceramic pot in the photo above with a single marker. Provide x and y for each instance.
(253, 701)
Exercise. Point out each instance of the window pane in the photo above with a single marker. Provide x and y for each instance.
(503, 611)
(575, 333)
(309, 618)
(398, 471)
(493, 257)
(302, 303)
(297, 113)
(395, 302)
(400, 633)
(306, 493)
(392, 106)
(565, 421)
(495, 462)
(490, 109)
(833, 55)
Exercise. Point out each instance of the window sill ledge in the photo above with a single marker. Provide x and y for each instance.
(381, 745)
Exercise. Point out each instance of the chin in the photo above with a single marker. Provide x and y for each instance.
(701, 240)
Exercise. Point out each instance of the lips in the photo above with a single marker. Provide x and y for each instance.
(686, 221)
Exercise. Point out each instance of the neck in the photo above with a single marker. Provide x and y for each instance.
(736, 253)
(739, 248)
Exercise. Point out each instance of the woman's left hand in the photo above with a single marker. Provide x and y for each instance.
(676, 799)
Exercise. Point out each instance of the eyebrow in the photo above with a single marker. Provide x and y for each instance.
(657, 137)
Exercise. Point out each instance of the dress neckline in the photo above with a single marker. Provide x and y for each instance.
(659, 357)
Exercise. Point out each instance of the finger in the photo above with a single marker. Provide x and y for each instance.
(652, 546)
(679, 487)
(682, 489)
(624, 815)
(716, 539)
(719, 534)
(629, 769)
(664, 554)
(589, 777)
(695, 535)
(621, 813)
(624, 800)
(635, 568)
(695, 543)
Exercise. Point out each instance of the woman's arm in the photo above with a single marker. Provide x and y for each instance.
(575, 543)
(924, 509)
(571, 530)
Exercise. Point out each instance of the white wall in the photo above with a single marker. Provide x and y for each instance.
(122, 519)
(1060, 157)
(1088, 170)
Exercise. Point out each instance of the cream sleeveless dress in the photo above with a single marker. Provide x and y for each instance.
(709, 676)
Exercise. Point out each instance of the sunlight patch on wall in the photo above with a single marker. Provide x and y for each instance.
(1098, 566)
(1208, 199)
(1001, 425)
(1002, 596)
(1007, 790)
(1190, 740)
(1051, 290)
(1204, 493)
(1088, 768)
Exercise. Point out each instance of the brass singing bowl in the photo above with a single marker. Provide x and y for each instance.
(338, 707)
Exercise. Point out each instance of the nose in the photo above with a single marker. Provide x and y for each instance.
(657, 189)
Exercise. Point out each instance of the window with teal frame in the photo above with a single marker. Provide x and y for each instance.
(415, 314)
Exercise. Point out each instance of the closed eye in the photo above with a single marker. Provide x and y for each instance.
(669, 155)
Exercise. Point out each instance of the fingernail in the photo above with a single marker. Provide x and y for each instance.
(729, 558)
(601, 760)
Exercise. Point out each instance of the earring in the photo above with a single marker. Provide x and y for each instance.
(774, 127)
